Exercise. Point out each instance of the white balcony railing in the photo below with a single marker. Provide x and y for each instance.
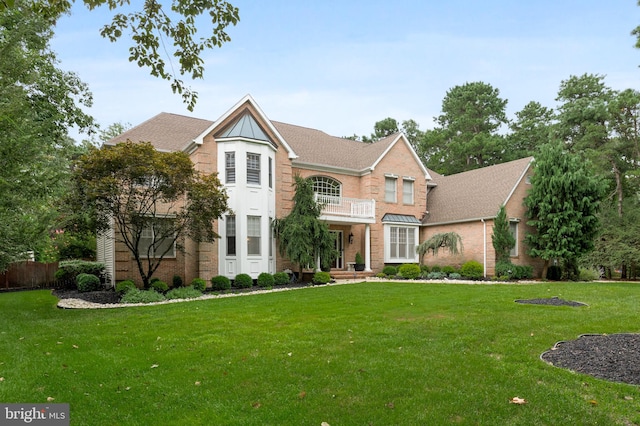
(348, 207)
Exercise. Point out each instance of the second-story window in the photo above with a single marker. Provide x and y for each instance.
(328, 189)
(230, 167)
(253, 168)
(390, 189)
(407, 191)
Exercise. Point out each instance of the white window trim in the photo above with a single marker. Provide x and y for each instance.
(395, 190)
(387, 243)
(514, 252)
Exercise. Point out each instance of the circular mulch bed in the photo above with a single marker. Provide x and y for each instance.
(553, 301)
(611, 357)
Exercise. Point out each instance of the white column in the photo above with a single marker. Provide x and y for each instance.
(367, 247)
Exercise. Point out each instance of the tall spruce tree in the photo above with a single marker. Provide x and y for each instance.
(562, 207)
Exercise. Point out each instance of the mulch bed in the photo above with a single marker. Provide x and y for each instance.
(553, 301)
(610, 357)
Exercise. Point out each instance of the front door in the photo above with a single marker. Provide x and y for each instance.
(339, 246)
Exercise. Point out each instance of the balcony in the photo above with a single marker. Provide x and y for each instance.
(342, 209)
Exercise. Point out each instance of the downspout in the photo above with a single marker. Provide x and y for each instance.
(484, 246)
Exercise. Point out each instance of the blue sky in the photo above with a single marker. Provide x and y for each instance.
(340, 66)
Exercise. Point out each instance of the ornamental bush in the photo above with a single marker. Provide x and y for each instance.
(390, 271)
(176, 281)
(410, 271)
(87, 282)
(321, 278)
(472, 270)
(68, 270)
(142, 296)
(281, 278)
(455, 276)
(435, 275)
(220, 283)
(265, 280)
(243, 281)
(448, 270)
(436, 268)
(199, 284)
(159, 286)
(183, 293)
(124, 286)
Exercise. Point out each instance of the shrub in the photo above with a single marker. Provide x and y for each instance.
(435, 275)
(265, 280)
(141, 296)
(472, 270)
(321, 278)
(588, 275)
(381, 275)
(199, 284)
(87, 282)
(513, 272)
(424, 269)
(455, 276)
(243, 281)
(359, 259)
(68, 270)
(448, 269)
(220, 283)
(281, 278)
(410, 271)
(124, 286)
(523, 272)
(504, 269)
(390, 271)
(176, 281)
(183, 293)
(159, 286)
(554, 273)
(436, 268)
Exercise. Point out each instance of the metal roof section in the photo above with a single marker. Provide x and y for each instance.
(245, 127)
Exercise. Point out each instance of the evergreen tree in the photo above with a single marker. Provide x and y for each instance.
(303, 237)
(562, 207)
(502, 239)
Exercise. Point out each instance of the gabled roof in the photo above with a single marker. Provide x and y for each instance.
(317, 148)
(167, 132)
(473, 195)
(306, 147)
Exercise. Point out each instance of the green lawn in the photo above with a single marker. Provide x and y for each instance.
(360, 354)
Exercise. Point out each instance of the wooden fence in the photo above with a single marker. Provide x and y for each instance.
(29, 275)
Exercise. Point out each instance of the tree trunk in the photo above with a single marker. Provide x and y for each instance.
(545, 268)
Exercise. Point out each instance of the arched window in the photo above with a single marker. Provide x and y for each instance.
(328, 189)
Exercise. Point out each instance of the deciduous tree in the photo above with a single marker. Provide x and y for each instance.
(154, 29)
(156, 199)
(38, 103)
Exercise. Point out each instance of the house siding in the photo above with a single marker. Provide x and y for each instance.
(206, 260)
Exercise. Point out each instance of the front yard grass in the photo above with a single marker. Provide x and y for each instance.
(359, 354)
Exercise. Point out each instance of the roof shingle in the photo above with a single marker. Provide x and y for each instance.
(476, 194)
